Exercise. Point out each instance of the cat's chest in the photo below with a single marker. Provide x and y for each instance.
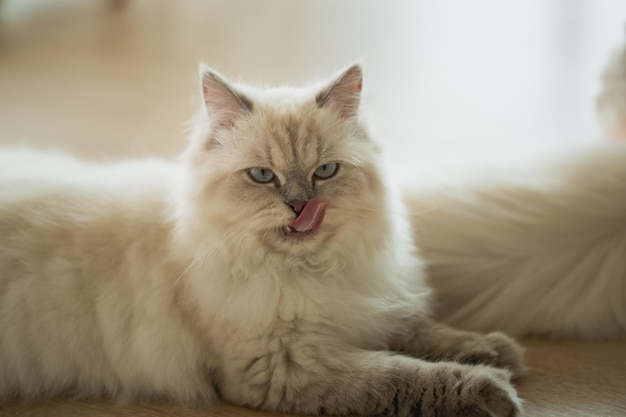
(262, 328)
(278, 302)
(264, 299)
(273, 307)
(276, 321)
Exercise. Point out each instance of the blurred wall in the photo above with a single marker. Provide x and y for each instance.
(109, 78)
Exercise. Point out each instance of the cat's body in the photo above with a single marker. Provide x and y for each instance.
(274, 267)
(539, 250)
(536, 249)
(86, 280)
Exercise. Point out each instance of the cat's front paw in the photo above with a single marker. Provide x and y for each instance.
(477, 391)
(488, 392)
(495, 349)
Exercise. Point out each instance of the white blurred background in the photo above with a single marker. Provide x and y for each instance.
(458, 79)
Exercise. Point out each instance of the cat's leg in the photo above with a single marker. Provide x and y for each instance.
(425, 338)
(318, 380)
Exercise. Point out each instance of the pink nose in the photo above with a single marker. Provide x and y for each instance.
(297, 206)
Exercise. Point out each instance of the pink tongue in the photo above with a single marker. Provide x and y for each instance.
(311, 216)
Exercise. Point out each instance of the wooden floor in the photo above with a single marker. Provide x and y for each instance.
(567, 379)
(100, 78)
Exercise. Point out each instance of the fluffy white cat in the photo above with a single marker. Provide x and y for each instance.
(274, 267)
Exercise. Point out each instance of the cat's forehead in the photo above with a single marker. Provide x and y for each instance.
(289, 134)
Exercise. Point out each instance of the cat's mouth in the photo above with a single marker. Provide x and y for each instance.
(308, 220)
(291, 233)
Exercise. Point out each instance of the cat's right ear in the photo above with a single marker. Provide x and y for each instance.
(223, 105)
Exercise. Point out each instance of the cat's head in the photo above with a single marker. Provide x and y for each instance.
(283, 170)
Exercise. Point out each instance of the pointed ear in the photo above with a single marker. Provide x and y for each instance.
(223, 105)
(344, 94)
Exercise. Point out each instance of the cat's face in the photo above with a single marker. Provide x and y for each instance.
(290, 171)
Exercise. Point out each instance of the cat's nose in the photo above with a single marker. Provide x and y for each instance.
(296, 206)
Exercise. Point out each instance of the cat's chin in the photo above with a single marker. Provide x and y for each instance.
(293, 235)
(287, 240)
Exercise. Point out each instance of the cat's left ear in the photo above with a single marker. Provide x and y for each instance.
(344, 94)
(224, 106)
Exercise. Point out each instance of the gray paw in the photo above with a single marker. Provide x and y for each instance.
(495, 349)
(477, 391)
(487, 392)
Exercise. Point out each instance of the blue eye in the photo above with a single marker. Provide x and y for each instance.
(326, 171)
(261, 175)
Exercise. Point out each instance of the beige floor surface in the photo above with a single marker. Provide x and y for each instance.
(566, 379)
(106, 79)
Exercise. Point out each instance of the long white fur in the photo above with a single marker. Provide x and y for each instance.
(85, 281)
(141, 279)
(147, 278)
(534, 250)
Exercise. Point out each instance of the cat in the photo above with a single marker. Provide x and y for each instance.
(530, 251)
(537, 249)
(273, 266)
